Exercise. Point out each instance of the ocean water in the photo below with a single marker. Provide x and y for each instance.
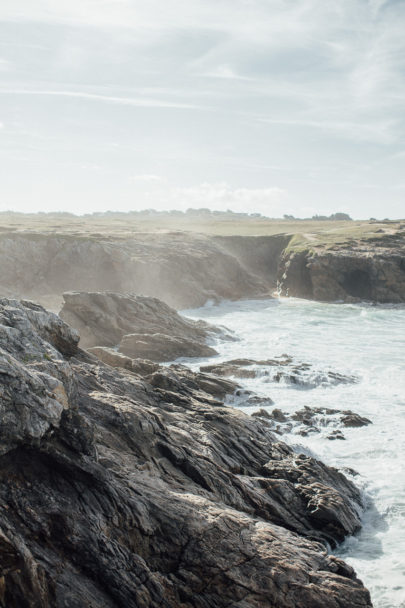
(355, 339)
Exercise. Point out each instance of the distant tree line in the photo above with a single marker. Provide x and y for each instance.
(337, 217)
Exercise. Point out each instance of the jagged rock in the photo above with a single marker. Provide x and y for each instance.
(250, 400)
(146, 494)
(217, 387)
(281, 369)
(278, 415)
(336, 435)
(144, 327)
(350, 419)
(314, 420)
(104, 318)
(161, 347)
(262, 414)
(143, 367)
(240, 367)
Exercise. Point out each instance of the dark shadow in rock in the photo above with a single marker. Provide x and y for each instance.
(357, 283)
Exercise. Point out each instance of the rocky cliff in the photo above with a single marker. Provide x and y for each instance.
(372, 270)
(124, 488)
(185, 269)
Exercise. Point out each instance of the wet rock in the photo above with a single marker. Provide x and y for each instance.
(278, 415)
(336, 435)
(243, 368)
(262, 414)
(316, 420)
(251, 400)
(280, 370)
(350, 419)
(144, 491)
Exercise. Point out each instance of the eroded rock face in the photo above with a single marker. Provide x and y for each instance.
(365, 271)
(144, 491)
(36, 382)
(141, 327)
(184, 270)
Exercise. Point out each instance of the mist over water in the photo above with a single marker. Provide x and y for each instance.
(355, 339)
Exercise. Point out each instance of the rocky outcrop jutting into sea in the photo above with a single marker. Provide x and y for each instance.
(139, 326)
(127, 490)
(372, 270)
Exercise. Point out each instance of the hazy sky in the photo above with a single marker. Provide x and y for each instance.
(276, 106)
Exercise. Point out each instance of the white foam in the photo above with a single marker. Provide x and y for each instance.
(361, 340)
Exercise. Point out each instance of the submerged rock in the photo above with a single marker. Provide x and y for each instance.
(281, 370)
(350, 419)
(312, 420)
(143, 491)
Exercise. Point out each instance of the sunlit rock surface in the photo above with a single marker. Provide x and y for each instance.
(127, 490)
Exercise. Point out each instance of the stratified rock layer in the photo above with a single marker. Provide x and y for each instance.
(144, 491)
(372, 270)
(140, 326)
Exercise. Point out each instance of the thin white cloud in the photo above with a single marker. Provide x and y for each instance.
(381, 132)
(126, 101)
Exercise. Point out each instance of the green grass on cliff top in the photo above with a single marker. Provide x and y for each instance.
(306, 233)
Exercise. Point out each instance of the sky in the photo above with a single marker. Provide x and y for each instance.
(269, 106)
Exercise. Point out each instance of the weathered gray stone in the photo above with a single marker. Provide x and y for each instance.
(145, 491)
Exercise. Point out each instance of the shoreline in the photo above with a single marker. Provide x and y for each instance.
(366, 398)
(169, 471)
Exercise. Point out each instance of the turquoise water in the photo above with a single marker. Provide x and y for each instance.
(360, 339)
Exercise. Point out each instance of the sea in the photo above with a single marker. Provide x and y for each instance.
(361, 340)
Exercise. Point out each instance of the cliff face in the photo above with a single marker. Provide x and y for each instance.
(124, 489)
(187, 269)
(184, 270)
(373, 271)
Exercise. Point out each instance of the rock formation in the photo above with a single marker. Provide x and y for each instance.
(140, 326)
(310, 420)
(280, 369)
(186, 269)
(372, 270)
(137, 491)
